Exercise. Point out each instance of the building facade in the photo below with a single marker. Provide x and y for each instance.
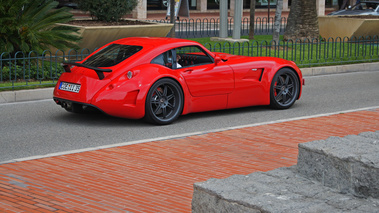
(145, 6)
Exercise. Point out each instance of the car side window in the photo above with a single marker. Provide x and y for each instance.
(192, 56)
(164, 59)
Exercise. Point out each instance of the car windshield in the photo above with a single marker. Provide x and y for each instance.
(111, 55)
(364, 6)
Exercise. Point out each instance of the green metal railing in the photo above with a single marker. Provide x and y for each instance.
(308, 52)
(199, 28)
(32, 69)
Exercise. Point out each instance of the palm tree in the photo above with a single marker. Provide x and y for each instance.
(277, 22)
(27, 25)
(252, 19)
(302, 21)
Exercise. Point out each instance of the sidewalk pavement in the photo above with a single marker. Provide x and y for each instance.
(158, 176)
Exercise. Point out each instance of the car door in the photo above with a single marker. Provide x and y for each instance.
(203, 76)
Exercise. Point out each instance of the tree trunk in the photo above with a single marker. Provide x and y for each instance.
(252, 19)
(302, 21)
(172, 17)
(278, 20)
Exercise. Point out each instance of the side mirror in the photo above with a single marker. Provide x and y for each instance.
(217, 60)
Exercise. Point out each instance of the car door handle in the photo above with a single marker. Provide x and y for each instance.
(188, 70)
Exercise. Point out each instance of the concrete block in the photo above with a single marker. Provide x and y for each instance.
(280, 190)
(231, 40)
(370, 66)
(26, 95)
(349, 68)
(307, 71)
(324, 70)
(7, 97)
(34, 94)
(349, 164)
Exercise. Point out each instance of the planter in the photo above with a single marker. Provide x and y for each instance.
(348, 26)
(96, 36)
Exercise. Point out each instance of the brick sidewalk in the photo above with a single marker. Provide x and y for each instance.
(158, 176)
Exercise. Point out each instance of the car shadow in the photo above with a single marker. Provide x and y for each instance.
(101, 119)
(96, 119)
(224, 112)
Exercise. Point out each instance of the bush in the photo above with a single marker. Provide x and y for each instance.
(30, 72)
(107, 10)
(27, 25)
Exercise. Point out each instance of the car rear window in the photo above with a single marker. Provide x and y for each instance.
(112, 55)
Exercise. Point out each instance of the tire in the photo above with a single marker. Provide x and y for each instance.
(164, 102)
(284, 90)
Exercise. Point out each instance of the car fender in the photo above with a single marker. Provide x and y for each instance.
(125, 95)
(278, 64)
(254, 75)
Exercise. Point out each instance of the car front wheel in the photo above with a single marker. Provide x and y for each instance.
(284, 89)
(164, 102)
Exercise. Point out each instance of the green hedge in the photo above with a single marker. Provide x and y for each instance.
(36, 72)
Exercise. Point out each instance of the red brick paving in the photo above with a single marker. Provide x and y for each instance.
(158, 176)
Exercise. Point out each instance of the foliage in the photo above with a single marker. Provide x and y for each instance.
(27, 25)
(31, 71)
(107, 10)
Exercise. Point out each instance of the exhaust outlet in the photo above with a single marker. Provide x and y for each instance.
(64, 105)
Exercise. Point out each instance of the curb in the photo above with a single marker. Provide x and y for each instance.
(313, 71)
(47, 93)
(26, 95)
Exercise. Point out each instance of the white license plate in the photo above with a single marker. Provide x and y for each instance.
(69, 87)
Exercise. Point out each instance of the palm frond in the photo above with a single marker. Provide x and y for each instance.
(31, 25)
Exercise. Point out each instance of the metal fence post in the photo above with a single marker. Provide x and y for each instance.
(237, 19)
(223, 19)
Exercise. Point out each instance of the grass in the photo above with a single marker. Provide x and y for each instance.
(10, 86)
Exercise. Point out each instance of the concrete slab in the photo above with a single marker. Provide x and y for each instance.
(26, 95)
(349, 164)
(231, 40)
(280, 190)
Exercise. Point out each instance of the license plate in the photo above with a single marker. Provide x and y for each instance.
(69, 87)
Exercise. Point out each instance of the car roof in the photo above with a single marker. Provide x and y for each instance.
(155, 41)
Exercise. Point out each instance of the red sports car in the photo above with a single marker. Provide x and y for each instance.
(160, 79)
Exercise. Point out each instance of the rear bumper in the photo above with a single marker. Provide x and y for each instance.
(69, 105)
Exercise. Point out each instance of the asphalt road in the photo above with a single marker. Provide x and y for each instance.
(32, 129)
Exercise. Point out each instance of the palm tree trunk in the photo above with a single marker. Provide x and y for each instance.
(278, 19)
(252, 19)
(302, 21)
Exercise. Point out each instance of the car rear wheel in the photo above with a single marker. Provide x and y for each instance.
(284, 89)
(164, 102)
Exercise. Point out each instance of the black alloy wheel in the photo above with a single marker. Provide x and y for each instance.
(284, 89)
(164, 102)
